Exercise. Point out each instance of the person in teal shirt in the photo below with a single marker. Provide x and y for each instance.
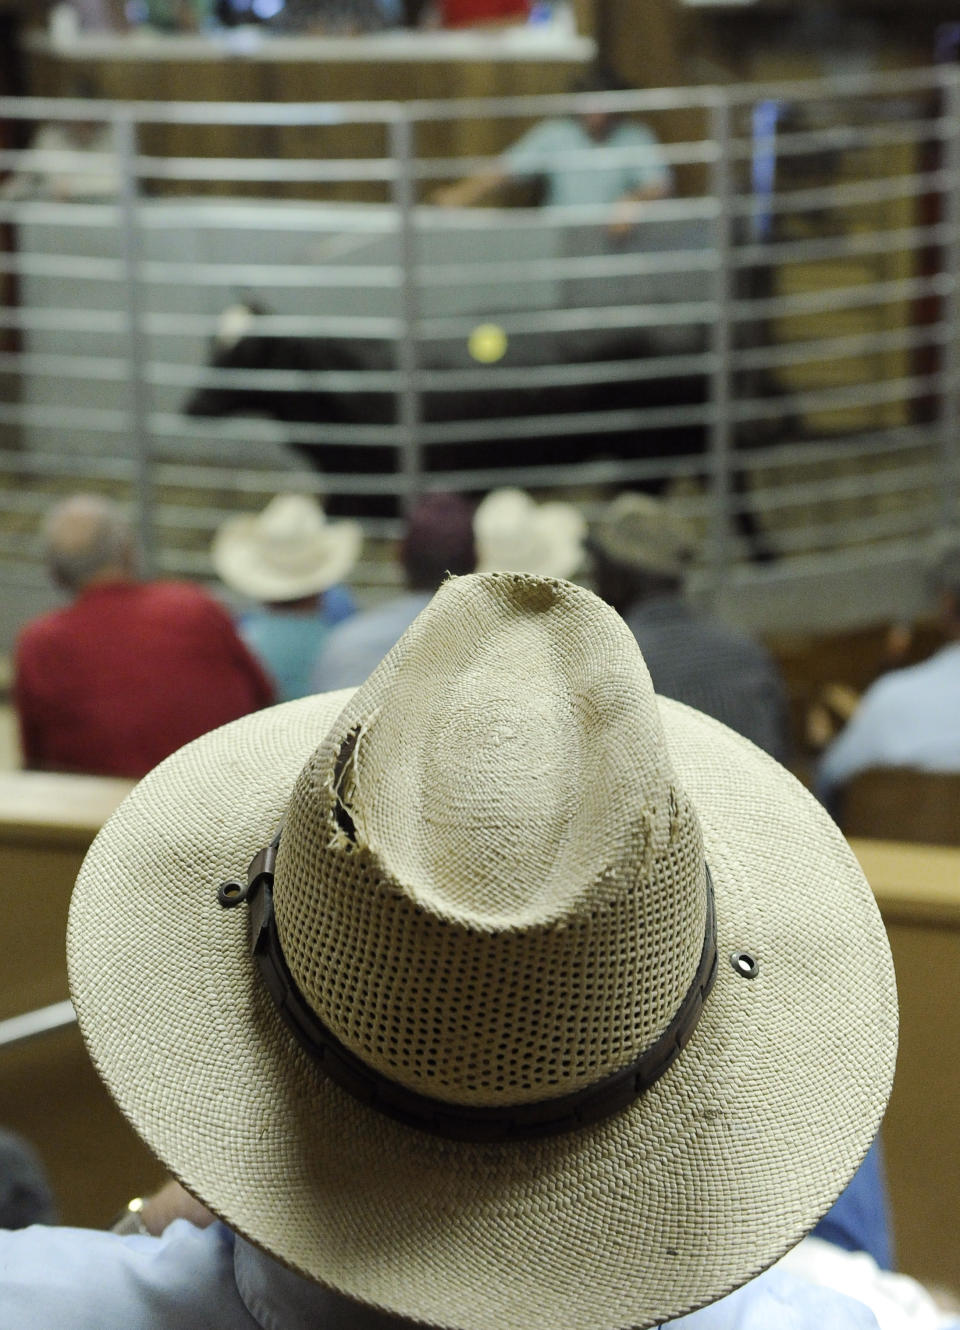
(593, 159)
(293, 562)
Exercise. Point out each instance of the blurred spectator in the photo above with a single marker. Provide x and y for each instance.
(438, 540)
(130, 670)
(44, 173)
(909, 717)
(642, 552)
(25, 1194)
(595, 158)
(515, 534)
(293, 561)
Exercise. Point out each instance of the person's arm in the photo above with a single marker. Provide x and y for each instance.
(471, 190)
(652, 179)
(523, 160)
(628, 208)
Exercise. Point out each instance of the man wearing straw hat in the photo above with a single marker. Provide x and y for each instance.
(643, 552)
(497, 994)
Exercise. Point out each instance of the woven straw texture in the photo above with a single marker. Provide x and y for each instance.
(494, 848)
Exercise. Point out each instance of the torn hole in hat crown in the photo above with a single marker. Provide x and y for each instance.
(346, 787)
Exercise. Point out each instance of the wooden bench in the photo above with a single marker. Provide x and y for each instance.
(902, 804)
(49, 1090)
(918, 890)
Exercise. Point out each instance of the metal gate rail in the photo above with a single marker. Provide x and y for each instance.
(807, 326)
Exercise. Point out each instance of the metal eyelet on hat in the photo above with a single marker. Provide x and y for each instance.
(232, 893)
(746, 965)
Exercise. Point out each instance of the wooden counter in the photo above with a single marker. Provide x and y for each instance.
(918, 891)
(49, 1090)
(401, 66)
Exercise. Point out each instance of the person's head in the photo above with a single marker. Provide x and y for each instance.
(943, 579)
(286, 555)
(87, 540)
(599, 78)
(496, 994)
(438, 540)
(641, 550)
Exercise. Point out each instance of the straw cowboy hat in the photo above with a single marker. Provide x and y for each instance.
(588, 1013)
(515, 534)
(286, 552)
(638, 531)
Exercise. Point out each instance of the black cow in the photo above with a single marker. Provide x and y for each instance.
(672, 404)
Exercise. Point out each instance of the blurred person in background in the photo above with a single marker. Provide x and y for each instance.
(642, 552)
(908, 717)
(25, 1194)
(593, 158)
(291, 560)
(515, 534)
(130, 670)
(438, 541)
(42, 174)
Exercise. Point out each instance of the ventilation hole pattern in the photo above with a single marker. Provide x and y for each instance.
(482, 1016)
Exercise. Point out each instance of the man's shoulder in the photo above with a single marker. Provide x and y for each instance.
(78, 1279)
(44, 629)
(353, 648)
(554, 133)
(366, 626)
(180, 598)
(713, 637)
(633, 131)
(913, 683)
(172, 592)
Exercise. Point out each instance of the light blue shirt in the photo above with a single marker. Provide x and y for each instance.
(908, 718)
(206, 1279)
(287, 646)
(355, 648)
(629, 159)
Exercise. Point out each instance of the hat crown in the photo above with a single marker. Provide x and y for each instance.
(514, 533)
(490, 886)
(641, 531)
(288, 527)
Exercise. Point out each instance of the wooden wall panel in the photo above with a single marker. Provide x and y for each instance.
(306, 81)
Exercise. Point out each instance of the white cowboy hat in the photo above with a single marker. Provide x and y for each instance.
(601, 1009)
(286, 552)
(515, 534)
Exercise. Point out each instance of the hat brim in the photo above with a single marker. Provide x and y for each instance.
(238, 560)
(706, 1180)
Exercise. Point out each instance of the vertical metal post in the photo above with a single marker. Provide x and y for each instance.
(949, 422)
(407, 349)
(138, 403)
(721, 427)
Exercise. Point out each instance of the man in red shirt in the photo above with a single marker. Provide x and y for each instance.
(129, 671)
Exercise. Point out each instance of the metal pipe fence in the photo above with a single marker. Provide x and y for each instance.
(774, 343)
